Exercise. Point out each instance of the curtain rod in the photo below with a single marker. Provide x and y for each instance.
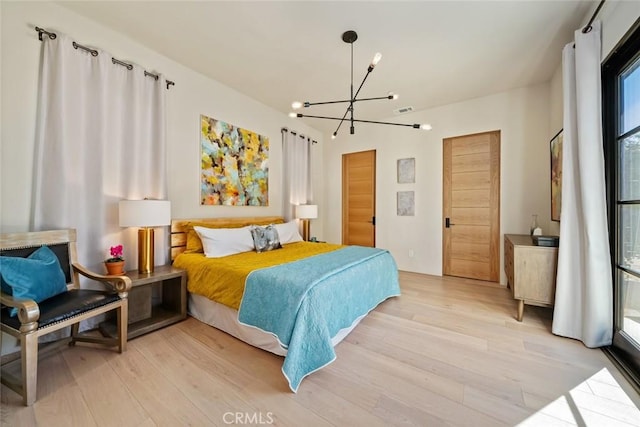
(588, 28)
(293, 132)
(94, 52)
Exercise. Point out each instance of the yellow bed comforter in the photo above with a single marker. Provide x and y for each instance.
(222, 279)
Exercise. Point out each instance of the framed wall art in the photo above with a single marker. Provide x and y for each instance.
(234, 167)
(406, 203)
(406, 171)
(556, 176)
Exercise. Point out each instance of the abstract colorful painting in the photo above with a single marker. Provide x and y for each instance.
(234, 165)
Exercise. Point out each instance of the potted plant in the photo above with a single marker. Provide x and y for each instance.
(115, 264)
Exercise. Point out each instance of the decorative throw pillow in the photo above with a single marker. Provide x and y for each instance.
(37, 277)
(194, 243)
(265, 238)
(288, 232)
(219, 242)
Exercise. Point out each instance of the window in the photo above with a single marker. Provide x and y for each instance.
(621, 111)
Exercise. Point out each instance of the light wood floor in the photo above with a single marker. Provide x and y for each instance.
(447, 352)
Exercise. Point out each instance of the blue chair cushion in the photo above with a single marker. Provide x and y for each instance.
(37, 277)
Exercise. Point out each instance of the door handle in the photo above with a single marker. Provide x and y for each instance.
(373, 220)
(447, 223)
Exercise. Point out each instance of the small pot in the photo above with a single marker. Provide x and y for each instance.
(115, 268)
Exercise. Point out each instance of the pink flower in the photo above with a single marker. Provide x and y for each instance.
(116, 254)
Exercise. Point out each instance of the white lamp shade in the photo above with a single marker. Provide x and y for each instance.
(144, 213)
(307, 211)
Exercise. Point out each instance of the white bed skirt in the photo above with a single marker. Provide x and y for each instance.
(226, 319)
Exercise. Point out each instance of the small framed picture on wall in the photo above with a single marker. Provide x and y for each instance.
(407, 171)
(556, 176)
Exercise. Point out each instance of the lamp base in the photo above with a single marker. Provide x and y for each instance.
(305, 229)
(145, 250)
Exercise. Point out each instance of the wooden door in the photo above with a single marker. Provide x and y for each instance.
(471, 206)
(359, 198)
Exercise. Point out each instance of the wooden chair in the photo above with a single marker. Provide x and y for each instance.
(65, 309)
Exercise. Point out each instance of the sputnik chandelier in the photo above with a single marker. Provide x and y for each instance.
(350, 37)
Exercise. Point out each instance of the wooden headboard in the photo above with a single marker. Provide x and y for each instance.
(179, 228)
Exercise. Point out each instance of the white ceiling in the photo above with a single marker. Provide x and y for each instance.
(434, 52)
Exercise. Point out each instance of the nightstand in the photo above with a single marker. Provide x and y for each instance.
(156, 300)
(531, 271)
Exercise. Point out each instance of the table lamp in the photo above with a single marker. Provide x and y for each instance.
(145, 214)
(305, 213)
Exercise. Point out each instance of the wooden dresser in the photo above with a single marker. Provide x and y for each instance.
(530, 270)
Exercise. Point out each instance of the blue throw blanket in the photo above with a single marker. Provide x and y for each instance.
(305, 303)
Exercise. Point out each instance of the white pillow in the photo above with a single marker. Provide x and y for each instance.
(288, 232)
(219, 242)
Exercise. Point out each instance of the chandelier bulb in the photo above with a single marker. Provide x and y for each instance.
(292, 114)
(296, 105)
(376, 58)
(333, 135)
(393, 96)
(426, 126)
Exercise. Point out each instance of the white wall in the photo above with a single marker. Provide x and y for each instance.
(192, 95)
(522, 117)
(617, 18)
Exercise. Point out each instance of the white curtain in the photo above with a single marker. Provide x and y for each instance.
(100, 138)
(584, 294)
(296, 177)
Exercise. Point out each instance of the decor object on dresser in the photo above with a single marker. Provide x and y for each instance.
(540, 240)
(234, 167)
(145, 214)
(306, 213)
(350, 37)
(115, 263)
(556, 176)
(530, 270)
(279, 300)
(39, 259)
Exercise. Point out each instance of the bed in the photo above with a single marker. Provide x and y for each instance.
(298, 301)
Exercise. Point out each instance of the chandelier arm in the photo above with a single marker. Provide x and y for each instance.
(372, 99)
(321, 117)
(361, 84)
(415, 125)
(309, 104)
(341, 121)
(342, 101)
